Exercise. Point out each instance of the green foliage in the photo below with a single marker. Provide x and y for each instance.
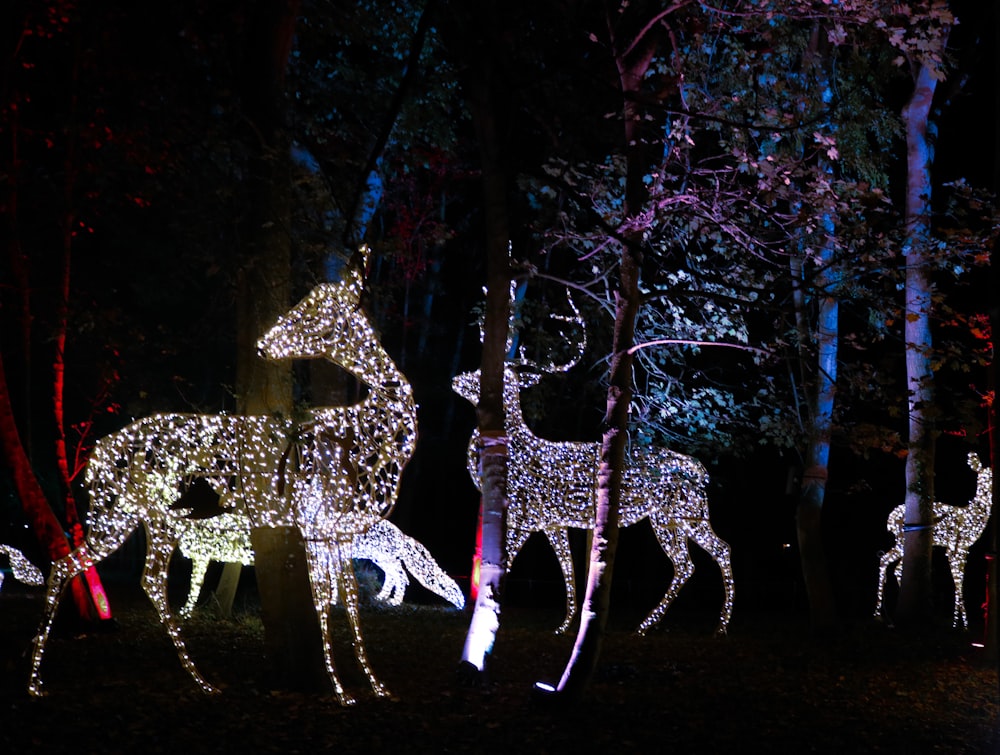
(765, 127)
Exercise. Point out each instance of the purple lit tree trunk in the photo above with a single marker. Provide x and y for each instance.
(914, 606)
(633, 57)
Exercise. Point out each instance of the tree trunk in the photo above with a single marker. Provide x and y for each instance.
(493, 457)
(582, 663)
(993, 609)
(88, 593)
(604, 541)
(264, 293)
(915, 596)
(812, 552)
(89, 598)
(44, 523)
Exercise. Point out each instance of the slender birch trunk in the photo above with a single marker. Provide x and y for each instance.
(918, 537)
(633, 60)
(493, 459)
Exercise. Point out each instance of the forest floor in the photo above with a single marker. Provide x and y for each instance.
(766, 687)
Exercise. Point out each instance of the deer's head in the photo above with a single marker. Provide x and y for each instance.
(521, 372)
(984, 480)
(330, 323)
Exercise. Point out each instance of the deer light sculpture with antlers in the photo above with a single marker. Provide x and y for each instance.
(552, 486)
(331, 476)
(956, 529)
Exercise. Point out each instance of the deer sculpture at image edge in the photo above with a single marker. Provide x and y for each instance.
(22, 569)
(331, 475)
(552, 486)
(956, 529)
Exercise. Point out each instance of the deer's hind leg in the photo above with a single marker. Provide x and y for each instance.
(895, 555)
(673, 540)
(324, 564)
(348, 588)
(160, 546)
(559, 538)
(703, 534)
(956, 560)
(394, 579)
(199, 568)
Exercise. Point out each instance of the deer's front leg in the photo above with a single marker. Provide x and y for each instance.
(62, 572)
(559, 538)
(154, 582)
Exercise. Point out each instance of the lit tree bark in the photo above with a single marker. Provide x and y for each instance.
(633, 57)
(86, 590)
(918, 537)
(485, 621)
(993, 609)
(96, 607)
(812, 494)
(44, 523)
(809, 512)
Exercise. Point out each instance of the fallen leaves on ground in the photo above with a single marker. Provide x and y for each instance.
(766, 687)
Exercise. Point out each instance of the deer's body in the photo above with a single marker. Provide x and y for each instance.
(552, 486)
(956, 529)
(331, 475)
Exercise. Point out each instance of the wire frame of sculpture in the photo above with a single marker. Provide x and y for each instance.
(552, 486)
(22, 569)
(227, 538)
(330, 476)
(956, 529)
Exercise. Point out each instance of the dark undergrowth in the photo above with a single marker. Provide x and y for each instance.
(766, 687)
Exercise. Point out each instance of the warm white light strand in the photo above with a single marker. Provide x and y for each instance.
(552, 486)
(956, 529)
(332, 476)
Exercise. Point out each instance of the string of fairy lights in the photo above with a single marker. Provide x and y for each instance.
(332, 476)
(552, 486)
(955, 528)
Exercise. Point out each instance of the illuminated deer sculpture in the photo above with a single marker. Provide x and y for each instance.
(227, 538)
(956, 529)
(552, 486)
(22, 569)
(331, 476)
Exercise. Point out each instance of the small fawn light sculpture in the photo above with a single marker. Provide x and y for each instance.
(331, 476)
(956, 529)
(227, 538)
(552, 486)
